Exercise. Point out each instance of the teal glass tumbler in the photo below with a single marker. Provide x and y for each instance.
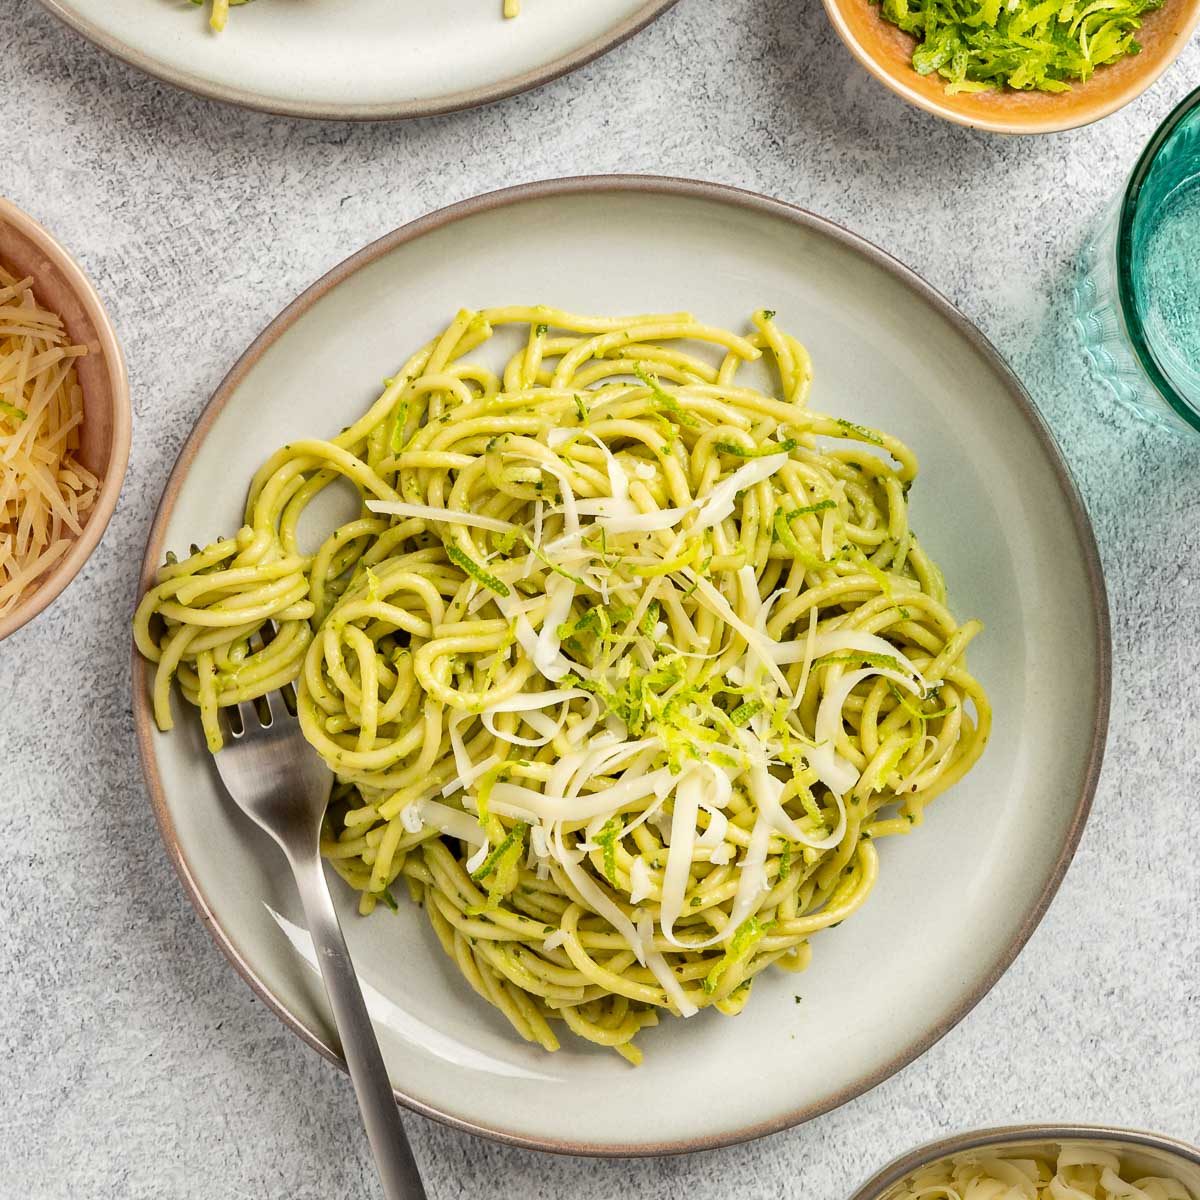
(1137, 281)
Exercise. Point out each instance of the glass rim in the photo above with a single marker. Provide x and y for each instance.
(1129, 210)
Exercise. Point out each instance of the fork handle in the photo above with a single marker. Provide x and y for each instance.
(393, 1156)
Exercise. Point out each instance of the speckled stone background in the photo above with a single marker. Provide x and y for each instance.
(133, 1062)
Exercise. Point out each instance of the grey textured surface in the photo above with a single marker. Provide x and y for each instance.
(133, 1062)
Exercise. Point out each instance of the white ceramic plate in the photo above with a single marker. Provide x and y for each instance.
(358, 59)
(995, 507)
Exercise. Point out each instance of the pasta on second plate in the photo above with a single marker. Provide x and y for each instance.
(220, 10)
(622, 668)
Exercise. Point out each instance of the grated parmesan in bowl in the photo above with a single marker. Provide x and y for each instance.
(1043, 1162)
(64, 418)
(46, 493)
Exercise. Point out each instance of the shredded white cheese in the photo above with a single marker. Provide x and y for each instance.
(447, 516)
(640, 884)
(719, 503)
(1081, 1171)
(45, 491)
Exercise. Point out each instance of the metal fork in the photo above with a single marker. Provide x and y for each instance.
(279, 781)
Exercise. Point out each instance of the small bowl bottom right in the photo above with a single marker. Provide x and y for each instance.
(1140, 1154)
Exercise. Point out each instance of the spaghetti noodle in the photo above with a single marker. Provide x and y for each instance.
(622, 667)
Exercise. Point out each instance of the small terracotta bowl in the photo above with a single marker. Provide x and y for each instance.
(886, 52)
(27, 249)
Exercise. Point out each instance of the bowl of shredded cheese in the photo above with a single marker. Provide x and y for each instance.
(64, 418)
(1043, 1162)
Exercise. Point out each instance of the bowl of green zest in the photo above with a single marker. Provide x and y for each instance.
(1016, 66)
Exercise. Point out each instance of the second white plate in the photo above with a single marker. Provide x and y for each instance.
(994, 506)
(358, 59)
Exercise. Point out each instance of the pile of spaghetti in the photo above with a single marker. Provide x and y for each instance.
(622, 668)
(220, 10)
(45, 492)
